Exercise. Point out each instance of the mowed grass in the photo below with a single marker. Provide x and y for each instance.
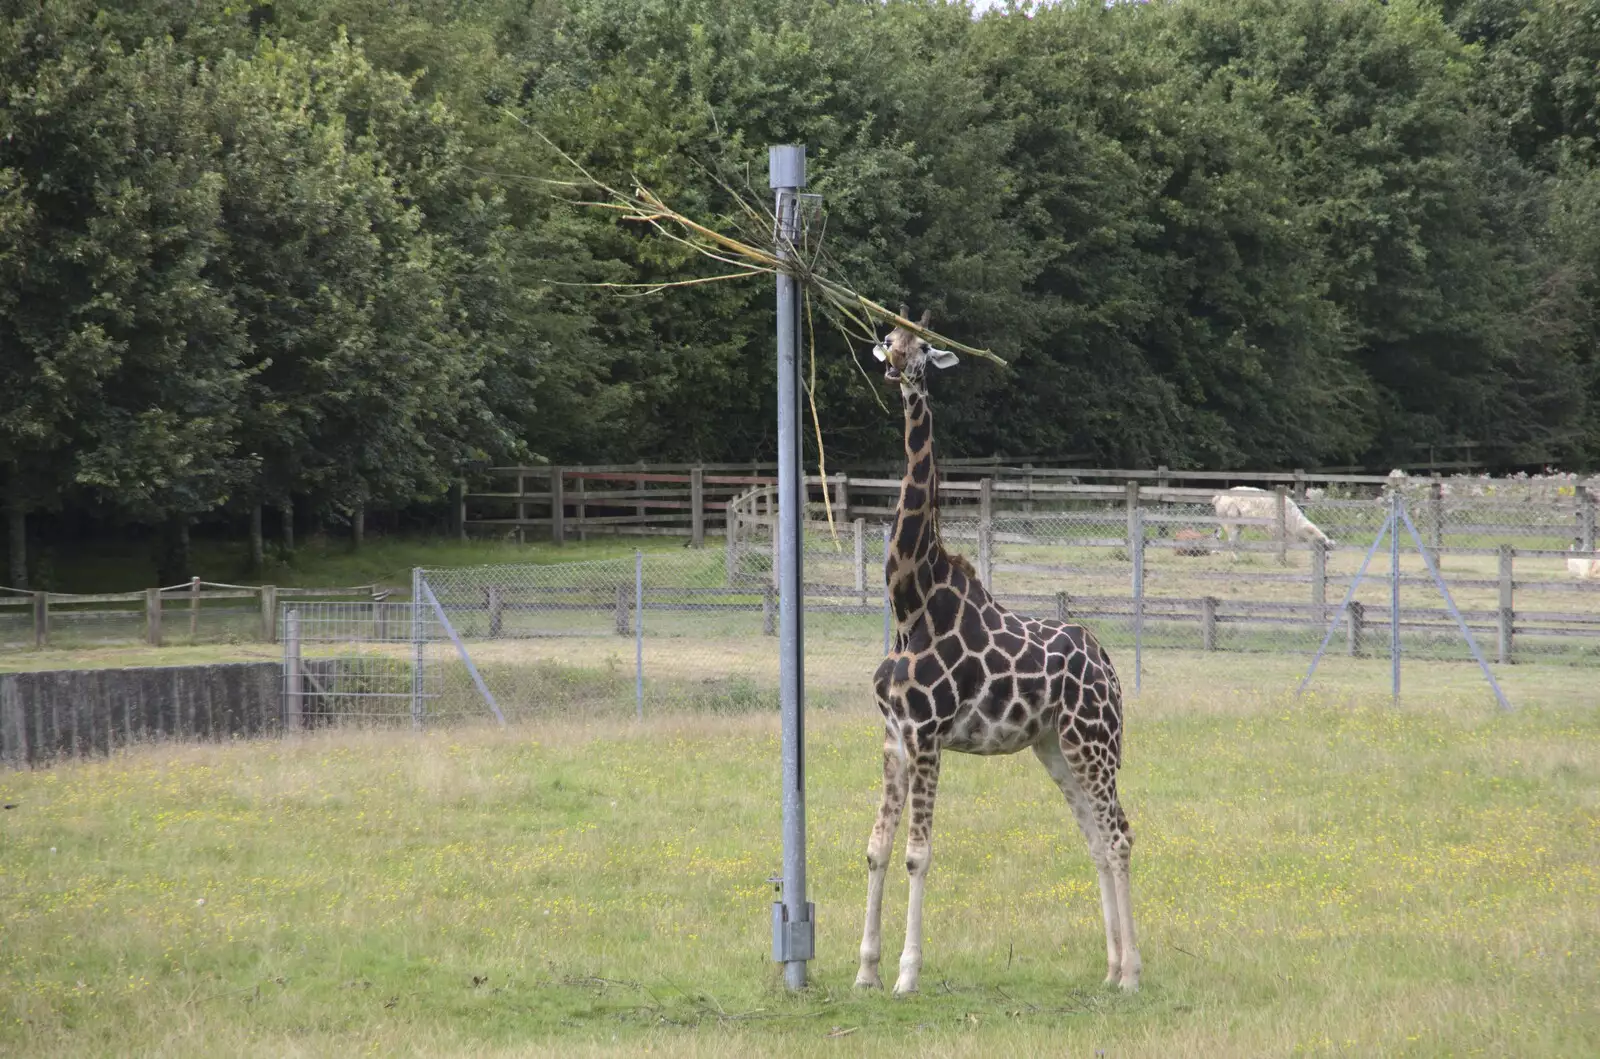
(322, 561)
(1327, 876)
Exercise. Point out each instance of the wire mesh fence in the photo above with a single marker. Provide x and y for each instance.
(661, 631)
(359, 663)
(195, 612)
(697, 628)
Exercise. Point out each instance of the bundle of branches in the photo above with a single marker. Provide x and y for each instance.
(758, 247)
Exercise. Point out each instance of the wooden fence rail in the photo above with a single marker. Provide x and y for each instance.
(563, 503)
(154, 608)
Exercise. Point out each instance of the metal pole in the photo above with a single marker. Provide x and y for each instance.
(293, 675)
(638, 634)
(1349, 596)
(463, 654)
(792, 941)
(1397, 506)
(888, 609)
(417, 638)
(1461, 623)
(1136, 529)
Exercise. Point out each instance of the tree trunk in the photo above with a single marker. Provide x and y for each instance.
(17, 529)
(287, 507)
(358, 526)
(258, 547)
(172, 551)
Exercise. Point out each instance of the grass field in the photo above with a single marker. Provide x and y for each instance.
(1327, 876)
(320, 561)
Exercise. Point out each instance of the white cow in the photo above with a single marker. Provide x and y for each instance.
(1584, 567)
(1245, 501)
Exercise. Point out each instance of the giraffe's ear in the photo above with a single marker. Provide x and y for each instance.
(905, 310)
(927, 318)
(942, 358)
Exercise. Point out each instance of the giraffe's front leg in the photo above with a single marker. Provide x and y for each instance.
(879, 848)
(924, 785)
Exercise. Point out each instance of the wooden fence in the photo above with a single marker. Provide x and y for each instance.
(160, 614)
(696, 501)
(571, 503)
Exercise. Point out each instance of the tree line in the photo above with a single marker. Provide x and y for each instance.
(310, 255)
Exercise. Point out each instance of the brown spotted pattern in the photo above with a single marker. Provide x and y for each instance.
(968, 675)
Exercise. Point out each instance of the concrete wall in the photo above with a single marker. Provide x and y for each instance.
(61, 713)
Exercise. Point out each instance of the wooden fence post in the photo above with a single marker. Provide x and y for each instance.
(293, 674)
(986, 532)
(380, 621)
(194, 608)
(697, 507)
(859, 528)
(583, 508)
(461, 510)
(1208, 623)
(841, 497)
(558, 507)
(1507, 614)
(1027, 482)
(1133, 512)
(1063, 607)
(1586, 503)
(269, 613)
(1281, 514)
(492, 603)
(522, 506)
(1355, 617)
(1319, 580)
(41, 619)
(152, 616)
(1299, 485)
(769, 625)
(624, 626)
(638, 487)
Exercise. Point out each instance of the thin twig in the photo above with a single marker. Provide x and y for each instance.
(1011, 1000)
(822, 455)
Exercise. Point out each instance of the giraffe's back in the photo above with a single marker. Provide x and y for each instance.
(979, 679)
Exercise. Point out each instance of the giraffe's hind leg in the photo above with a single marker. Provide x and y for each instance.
(923, 788)
(1092, 798)
(879, 846)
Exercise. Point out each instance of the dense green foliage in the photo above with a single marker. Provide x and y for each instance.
(307, 251)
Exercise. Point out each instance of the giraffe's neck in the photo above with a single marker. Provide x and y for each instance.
(914, 543)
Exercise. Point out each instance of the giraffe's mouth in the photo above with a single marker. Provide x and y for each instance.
(891, 374)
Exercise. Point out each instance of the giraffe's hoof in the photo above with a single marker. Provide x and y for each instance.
(1130, 984)
(868, 981)
(905, 987)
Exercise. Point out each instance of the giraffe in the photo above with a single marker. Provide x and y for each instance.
(967, 675)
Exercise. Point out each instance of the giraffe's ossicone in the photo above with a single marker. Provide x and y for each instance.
(966, 674)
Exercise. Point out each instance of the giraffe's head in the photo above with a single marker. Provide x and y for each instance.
(906, 357)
